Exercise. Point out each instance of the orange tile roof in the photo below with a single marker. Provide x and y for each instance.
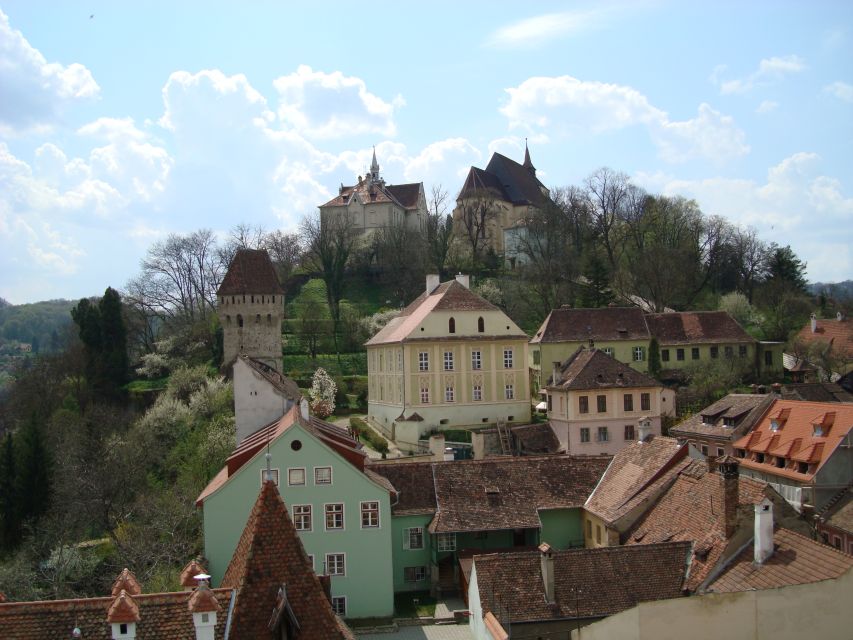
(189, 573)
(796, 559)
(795, 438)
(838, 333)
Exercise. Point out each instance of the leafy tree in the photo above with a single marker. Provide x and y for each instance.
(738, 307)
(322, 394)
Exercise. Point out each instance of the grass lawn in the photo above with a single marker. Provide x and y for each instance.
(404, 605)
(147, 385)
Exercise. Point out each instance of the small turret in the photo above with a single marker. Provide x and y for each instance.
(527, 163)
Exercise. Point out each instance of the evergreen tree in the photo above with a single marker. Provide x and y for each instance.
(10, 521)
(596, 293)
(113, 370)
(33, 472)
(654, 358)
(784, 266)
(88, 320)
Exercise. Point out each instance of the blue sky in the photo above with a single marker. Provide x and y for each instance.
(151, 118)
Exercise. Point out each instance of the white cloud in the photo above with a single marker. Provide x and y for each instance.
(35, 91)
(538, 30)
(331, 105)
(795, 205)
(769, 70)
(567, 106)
(841, 90)
(450, 157)
(766, 106)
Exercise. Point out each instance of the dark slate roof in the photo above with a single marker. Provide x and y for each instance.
(270, 554)
(816, 392)
(744, 409)
(507, 180)
(250, 271)
(413, 484)
(839, 514)
(281, 383)
(594, 369)
(692, 327)
(607, 323)
(163, 616)
(796, 559)
(507, 493)
(406, 194)
(536, 438)
(588, 583)
(479, 180)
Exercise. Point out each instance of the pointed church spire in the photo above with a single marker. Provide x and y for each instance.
(527, 163)
(374, 166)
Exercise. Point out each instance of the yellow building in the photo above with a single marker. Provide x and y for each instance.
(450, 359)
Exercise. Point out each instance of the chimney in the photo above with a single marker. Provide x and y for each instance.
(465, 281)
(644, 428)
(326, 583)
(204, 607)
(728, 469)
(546, 559)
(555, 373)
(432, 281)
(436, 446)
(303, 409)
(763, 543)
(449, 456)
(839, 316)
(123, 616)
(814, 323)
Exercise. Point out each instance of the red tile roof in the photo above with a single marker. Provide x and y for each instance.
(838, 333)
(694, 327)
(796, 559)
(269, 556)
(203, 600)
(605, 324)
(250, 271)
(123, 609)
(588, 583)
(126, 581)
(593, 369)
(189, 573)
(795, 440)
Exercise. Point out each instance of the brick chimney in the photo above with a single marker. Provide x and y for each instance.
(546, 560)
(728, 469)
(763, 541)
(644, 428)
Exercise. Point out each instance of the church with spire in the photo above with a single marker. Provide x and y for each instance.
(371, 204)
(512, 191)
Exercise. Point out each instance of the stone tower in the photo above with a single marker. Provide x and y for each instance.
(251, 306)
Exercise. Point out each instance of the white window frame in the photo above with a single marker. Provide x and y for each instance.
(445, 542)
(316, 481)
(477, 392)
(424, 395)
(448, 361)
(423, 360)
(476, 360)
(336, 606)
(298, 517)
(414, 574)
(407, 538)
(366, 510)
(449, 393)
(343, 561)
(508, 358)
(608, 351)
(327, 512)
(639, 354)
(290, 472)
(275, 476)
(509, 391)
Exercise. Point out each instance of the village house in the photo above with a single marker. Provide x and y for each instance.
(803, 449)
(822, 349)
(269, 591)
(597, 404)
(835, 522)
(371, 205)
(450, 359)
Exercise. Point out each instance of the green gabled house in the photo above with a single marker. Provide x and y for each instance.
(341, 509)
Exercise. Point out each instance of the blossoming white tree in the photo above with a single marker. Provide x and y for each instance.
(322, 394)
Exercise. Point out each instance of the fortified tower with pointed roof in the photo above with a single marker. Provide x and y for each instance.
(251, 307)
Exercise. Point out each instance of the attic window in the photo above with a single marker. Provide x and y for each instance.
(817, 430)
(729, 422)
(774, 425)
(780, 462)
(493, 495)
(802, 467)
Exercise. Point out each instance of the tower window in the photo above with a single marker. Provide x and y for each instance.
(258, 318)
(481, 325)
(239, 320)
(273, 298)
(269, 318)
(451, 326)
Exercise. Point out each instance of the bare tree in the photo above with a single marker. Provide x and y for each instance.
(608, 192)
(474, 215)
(285, 251)
(438, 231)
(751, 254)
(399, 254)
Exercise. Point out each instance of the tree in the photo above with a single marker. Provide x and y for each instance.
(608, 194)
(399, 256)
(10, 521)
(654, 357)
(114, 364)
(33, 477)
(738, 307)
(750, 255)
(438, 232)
(322, 394)
(285, 250)
(475, 215)
(88, 319)
(310, 324)
(596, 291)
(783, 266)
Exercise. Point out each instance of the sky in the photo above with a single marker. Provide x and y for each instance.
(121, 122)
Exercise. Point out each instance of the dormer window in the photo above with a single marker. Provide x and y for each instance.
(728, 422)
(774, 425)
(817, 430)
(780, 462)
(759, 457)
(803, 467)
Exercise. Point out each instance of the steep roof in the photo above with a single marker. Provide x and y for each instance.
(604, 324)
(741, 409)
(284, 385)
(508, 180)
(406, 194)
(448, 296)
(694, 327)
(508, 493)
(594, 369)
(630, 473)
(796, 440)
(588, 583)
(403, 195)
(413, 484)
(796, 559)
(269, 556)
(162, 616)
(479, 180)
(692, 509)
(838, 333)
(250, 271)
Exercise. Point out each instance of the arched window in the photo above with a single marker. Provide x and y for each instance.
(239, 320)
(481, 325)
(451, 325)
(228, 320)
(258, 319)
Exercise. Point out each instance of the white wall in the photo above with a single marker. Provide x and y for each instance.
(256, 401)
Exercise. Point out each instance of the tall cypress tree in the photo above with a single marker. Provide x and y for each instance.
(88, 320)
(10, 519)
(34, 468)
(113, 373)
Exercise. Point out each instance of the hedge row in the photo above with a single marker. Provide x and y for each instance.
(368, 435)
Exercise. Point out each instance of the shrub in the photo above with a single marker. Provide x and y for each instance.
(368, 435)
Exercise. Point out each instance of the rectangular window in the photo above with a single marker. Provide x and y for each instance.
(477, 393)
(269, 476)
(423, 361)
(741, 351)
(448, 361)
(446, 541)
(339, 605)
(448, 394)
(507, 358)
(550, 399)
(598, 534)
(536, 356)
(704, 449)
(664, 355)
(720, 452)
(768, 358)
(589, 529)
(608, 351)
(295, 477)
(694, 353)
(424, 395)
(602, 435)
(628, 401)
(715, 351)
(414, 574)
(369, 515)
(509, 391)
(583, 404)
(645, 402)
(601, 401)
(629, 432)
(476, 360)
(584, 434)
(679, 355)
(302, 517)
(334, 516)
(729, 351)
(413, 538)
(639, 354)
(322, 475)
(336, 564)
